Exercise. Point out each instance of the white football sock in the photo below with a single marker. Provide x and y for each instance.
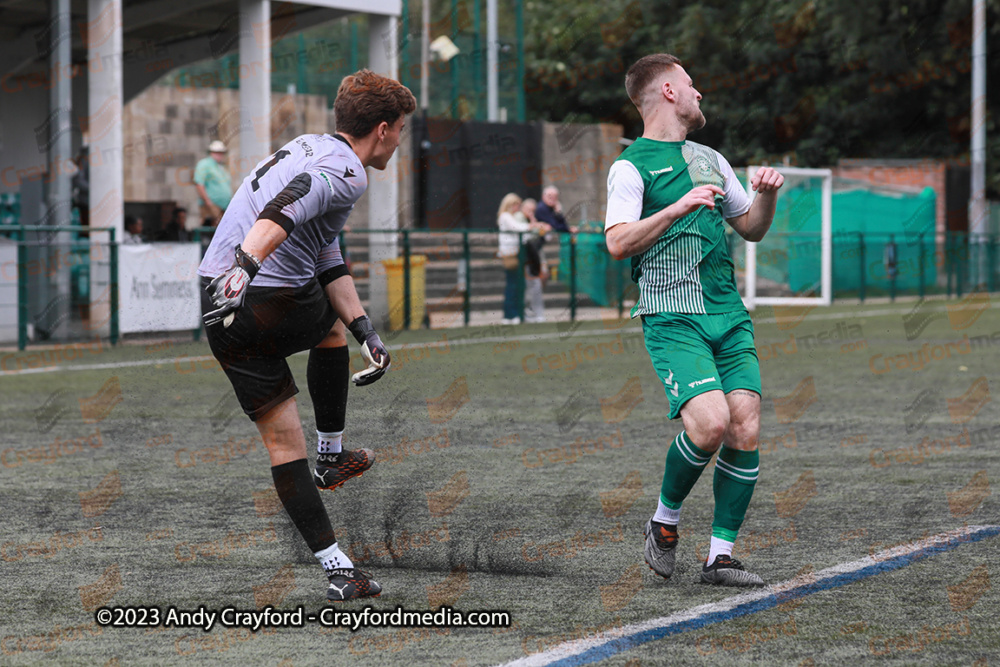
(666, 515)
(333, 558)
(329, 443)
(719, 546)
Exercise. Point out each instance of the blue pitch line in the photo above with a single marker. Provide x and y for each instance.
(622, 644)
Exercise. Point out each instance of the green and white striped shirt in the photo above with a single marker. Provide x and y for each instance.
(688, 270)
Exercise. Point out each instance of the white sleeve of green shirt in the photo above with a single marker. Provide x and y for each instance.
(625, 192)
(736, 202)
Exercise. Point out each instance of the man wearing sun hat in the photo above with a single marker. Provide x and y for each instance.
(212, 180)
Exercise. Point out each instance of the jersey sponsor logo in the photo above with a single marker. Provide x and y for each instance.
(665, 170)
(700, 382)
(328, 183)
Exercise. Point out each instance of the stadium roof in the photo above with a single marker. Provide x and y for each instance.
(182, 31)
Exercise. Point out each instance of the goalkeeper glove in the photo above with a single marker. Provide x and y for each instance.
(372, 350)
(228, 291)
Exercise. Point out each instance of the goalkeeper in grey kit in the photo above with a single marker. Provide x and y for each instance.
(276, 284)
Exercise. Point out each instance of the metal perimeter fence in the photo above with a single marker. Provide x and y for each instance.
(60, 284)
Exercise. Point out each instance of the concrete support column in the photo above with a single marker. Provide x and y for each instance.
(255, 83)
(55, 316)
(383, 186)
(104, 126)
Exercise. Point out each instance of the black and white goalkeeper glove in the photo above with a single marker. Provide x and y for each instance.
(228, 291)
(372, 350)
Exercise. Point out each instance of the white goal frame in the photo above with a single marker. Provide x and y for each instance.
(750, 298)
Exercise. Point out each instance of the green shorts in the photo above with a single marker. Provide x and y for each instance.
(693, 354)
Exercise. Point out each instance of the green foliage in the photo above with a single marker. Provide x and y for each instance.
(818, 81)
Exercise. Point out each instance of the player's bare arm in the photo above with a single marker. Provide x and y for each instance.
(626, 240)
(263, 238)
(755, 223)
(344, 298)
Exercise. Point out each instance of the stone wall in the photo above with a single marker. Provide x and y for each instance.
(576, 159)
(167, 131)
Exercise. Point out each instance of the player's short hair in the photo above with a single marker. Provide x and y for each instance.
(366, 99)
(644, 71)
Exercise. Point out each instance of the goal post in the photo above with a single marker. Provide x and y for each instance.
(793, 264)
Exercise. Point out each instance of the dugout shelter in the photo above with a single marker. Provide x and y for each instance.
(67, 67)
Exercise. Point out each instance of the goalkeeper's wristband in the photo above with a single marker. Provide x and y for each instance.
(362, 328)
(247, 262)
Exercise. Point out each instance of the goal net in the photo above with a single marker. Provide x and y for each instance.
(792, 265)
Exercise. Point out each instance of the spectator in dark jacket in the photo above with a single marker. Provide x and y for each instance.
(550, 211)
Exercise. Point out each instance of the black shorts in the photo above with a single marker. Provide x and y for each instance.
(273, 324)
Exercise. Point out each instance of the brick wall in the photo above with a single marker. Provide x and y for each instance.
(908, 173)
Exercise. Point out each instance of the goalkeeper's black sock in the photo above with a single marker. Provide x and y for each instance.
(298, 493)
(328, 375)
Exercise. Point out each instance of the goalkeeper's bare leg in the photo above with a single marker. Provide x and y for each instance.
(328, 377)
(281, 431)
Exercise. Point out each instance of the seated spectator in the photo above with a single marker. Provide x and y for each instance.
(176, 229)
(133, 230)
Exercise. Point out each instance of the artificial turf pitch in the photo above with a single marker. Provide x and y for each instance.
(516, 467)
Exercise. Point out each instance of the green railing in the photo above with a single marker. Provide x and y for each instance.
(596, 275)
(26, 269)
(863, 265)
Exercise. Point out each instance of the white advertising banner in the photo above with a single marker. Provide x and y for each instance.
(158, 287)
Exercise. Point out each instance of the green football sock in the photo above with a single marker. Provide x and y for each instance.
(685, 462)
(735, 478)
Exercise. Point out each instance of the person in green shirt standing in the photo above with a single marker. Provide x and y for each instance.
(214, 185)
(668, 202)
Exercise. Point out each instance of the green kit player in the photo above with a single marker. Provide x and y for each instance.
(668, 200)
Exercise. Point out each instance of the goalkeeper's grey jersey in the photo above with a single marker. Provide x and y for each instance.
(319, 178)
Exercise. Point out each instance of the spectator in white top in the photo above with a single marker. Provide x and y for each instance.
(510, 243)
(133, 230)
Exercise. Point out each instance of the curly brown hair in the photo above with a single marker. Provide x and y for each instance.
(366, 99)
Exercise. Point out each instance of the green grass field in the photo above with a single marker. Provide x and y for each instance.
(505, 482)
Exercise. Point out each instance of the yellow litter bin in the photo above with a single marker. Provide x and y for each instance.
(394, 282)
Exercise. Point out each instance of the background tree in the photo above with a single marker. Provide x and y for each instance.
(814, 81)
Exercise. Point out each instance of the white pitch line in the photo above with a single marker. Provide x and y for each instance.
(579, 646)
(458, 342)
(527, 338)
